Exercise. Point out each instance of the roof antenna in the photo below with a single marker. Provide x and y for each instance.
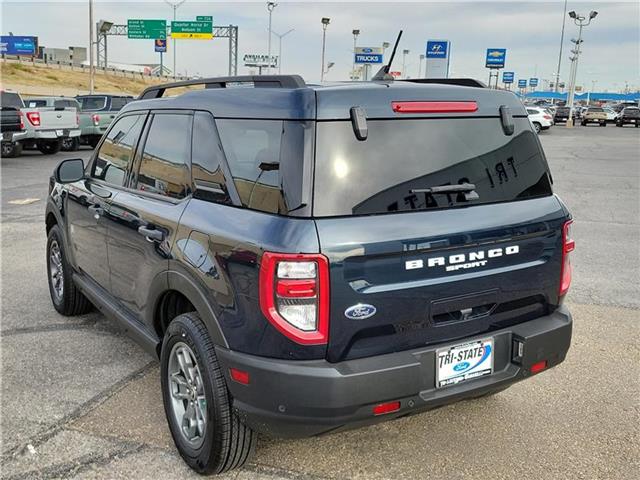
(383, 73)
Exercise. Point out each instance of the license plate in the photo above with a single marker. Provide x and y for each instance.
(459, 363)
(59, 133)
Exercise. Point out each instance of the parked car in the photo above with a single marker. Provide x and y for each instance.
(295, 281)
(540, 118)
(611, 114)
(67, 144)
(44, 127)
(11, 123)
(628, 116)
(594, 115)
(561, 115)
(96, 114)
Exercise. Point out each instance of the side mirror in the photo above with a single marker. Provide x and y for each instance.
(69, 171)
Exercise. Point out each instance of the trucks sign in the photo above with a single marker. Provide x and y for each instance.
(495, 57)
(507, 77)
(368, 55)
(522, 84)
(146, 29)
(194, 30)
(533, 82)
(16, 45)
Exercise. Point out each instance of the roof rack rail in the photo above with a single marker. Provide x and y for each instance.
(465, 82)
(260, 81)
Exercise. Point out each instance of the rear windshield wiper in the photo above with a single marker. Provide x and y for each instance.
(467, 188)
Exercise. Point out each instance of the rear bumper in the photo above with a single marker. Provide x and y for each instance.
(55, 134)
(306, 398)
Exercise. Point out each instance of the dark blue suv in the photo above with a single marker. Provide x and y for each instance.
(305, 259)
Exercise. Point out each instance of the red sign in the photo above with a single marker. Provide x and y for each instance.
(395, 74)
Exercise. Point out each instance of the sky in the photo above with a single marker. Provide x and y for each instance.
(530, 31)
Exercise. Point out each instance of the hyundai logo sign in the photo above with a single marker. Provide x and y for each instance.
(437, 49)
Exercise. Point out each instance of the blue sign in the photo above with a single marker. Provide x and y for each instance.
(160, 45)
(508, 77)
(437, 49)
(533, 82)
(496, 57)
(522, 84)
(368, 55)
(14, 45)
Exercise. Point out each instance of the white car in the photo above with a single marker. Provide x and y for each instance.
(612, 115)
(539, 118)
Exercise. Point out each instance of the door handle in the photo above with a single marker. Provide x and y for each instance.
(96, 210)
(152, 234)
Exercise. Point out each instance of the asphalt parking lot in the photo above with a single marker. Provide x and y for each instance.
(79, 400)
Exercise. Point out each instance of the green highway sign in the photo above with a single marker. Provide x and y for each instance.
(196, 30)
(200, 18)
(147, 29)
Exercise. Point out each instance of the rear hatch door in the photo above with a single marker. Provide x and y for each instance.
(409, 269)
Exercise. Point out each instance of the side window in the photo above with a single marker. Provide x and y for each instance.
(118, 102)
(116, 152)
(206, 158)
(252, 149)
(164, 169)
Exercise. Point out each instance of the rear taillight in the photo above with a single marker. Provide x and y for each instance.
(547, 117)
(434, 107)
(568, 245)
(34, 118)
(294, 295)
(95, 118)
(21, 119)
(77, 119)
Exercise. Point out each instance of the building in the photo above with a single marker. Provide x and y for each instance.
(75, 55)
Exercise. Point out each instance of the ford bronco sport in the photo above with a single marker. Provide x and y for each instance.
(305, 259)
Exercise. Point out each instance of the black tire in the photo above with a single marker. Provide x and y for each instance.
(71, 302)
(93, 141)
(584, 124)
(70, 144)
(11, 149)
(603, 124)
(226, 443)
(537, 127)
(49, 147)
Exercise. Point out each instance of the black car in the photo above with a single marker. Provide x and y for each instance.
(304, 259)
(561, 115)
(628, 116)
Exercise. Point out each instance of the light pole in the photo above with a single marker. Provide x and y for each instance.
(564, 19)
(325, 23)
(385, 45)
(91, 71)
(175, 6)
(420, 67)
(355, 32)
(280, 37)
(270, 7)
(580, 21)
(405, 52)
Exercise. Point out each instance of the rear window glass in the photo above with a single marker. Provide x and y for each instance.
(595, 109)
(10, 99)
(92, 103)
(378, 175)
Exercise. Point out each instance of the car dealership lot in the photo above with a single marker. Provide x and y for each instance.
(80, 400)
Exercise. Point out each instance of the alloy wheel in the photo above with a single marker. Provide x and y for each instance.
(188, 399)
(56, 271)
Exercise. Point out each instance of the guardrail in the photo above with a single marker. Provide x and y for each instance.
(78, 67)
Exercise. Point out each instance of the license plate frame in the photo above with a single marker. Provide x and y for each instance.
(461, 354)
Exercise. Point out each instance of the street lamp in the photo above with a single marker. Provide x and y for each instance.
(91, 71)
(175, 6)
(420, 67)
(325, 23)
(355, 33)
(580, 21)
(270, 7)
(385, 45)
(564, 18)
(405, 52)
(329, 66)
(280, 37)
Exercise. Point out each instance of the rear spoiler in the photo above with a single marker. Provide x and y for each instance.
(465, 82)
(259, 81)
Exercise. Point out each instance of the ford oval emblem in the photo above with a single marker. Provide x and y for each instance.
(461, 366)
(360, 311)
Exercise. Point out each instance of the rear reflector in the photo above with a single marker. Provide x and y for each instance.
(388, 407)
(538, 367)
(239, 376)
(433, 107)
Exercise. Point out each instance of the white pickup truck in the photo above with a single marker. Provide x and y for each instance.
(44, 127)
